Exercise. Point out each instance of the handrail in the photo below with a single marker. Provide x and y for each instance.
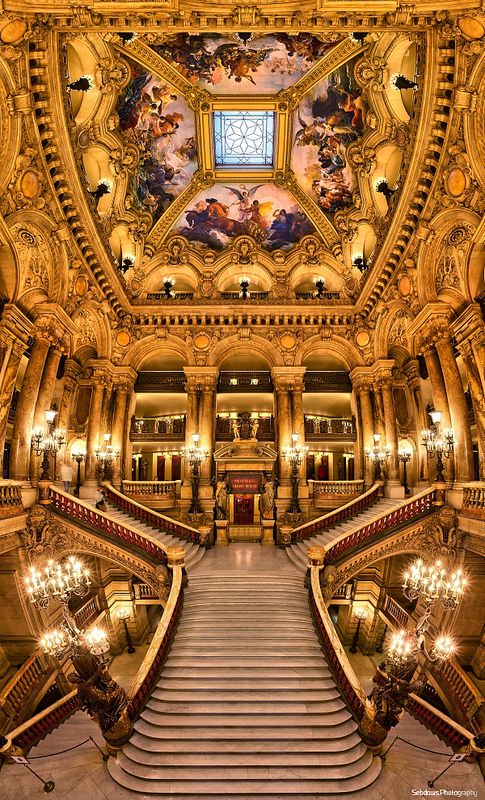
(327, 521)
(150, 516)
(30, 732)
(76, 509)
(414, 508)
(347, 682)
(159, 647)
(19, 688)
(344, 675)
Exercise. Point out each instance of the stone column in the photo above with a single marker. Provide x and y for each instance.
(44, 400)
(207, 416)
(411, 371)
(106, 417)
(118, 429)
(283, 422)
(438, 388)
(24, 417)
(458, 411)
(367, 429)
(478, 401)
(390, 430)
(298, 418)
(93, 433)
(72, 371)
(10, 368)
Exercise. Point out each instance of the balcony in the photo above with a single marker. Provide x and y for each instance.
(158, 429)
(329, 429)
(249, 381)
(161, 381)
(225, 427)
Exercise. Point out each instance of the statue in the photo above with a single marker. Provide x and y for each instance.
(222, 500)
(236, 427)
(266, 500)
(254, 422)
(100, 696)
(387, 702)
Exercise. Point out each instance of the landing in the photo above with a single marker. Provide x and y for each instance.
(244, 558)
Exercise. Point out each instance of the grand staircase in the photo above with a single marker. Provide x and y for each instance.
(246, 705)
(193, 552)
(298, 553)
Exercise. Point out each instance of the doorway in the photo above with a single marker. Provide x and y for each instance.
(243, 509)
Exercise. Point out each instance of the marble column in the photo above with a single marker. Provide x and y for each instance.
(10, 367)
(94, 431)
(438, 389)
(283, 417)
(24, 417)
(298, 419)
(458, 411)
(411, 371)
(207, 424)
(126, 470)
(118, 430)
(106, 413)
(390, 430)
(478, 401)
(367, 429)
(44, 401)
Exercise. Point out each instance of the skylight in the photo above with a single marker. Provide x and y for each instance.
(244, 138)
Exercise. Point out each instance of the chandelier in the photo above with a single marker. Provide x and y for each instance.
(57, 580)
(68, 639)
(294, 455)
(106, 454)
(378, 456)
(195, 455)
(438, 444)
(402, 650)
(432, 583)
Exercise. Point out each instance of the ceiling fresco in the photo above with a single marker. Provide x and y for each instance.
(259, 65)
(329, 118)
(269, 214)
(159, 121)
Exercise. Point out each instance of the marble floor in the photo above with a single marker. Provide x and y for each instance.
(82, 775)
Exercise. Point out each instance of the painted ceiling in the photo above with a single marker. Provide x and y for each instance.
(338, 144)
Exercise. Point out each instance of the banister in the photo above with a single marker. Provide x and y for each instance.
(327, 521)
(159, 647)
(30, 732)
(74, 508)
(338, 662)
(414, 508)
(156, 520)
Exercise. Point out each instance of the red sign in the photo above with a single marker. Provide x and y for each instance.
(245, 482)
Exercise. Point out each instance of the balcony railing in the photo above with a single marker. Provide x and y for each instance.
(319, 428)
(137, 489)
(10, 499)
(322, 489)
(20, 688)
(474, 499)
(241, 381)
(156, 429)
(398, 614)
(86, 615)
(162, 381)
(326, 381)
(225, 432)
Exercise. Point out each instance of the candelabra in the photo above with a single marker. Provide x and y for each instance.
(361, 614)
(438, 444)
(47, 442)
(123, 616)
(320, 287)
(78, 456)
(360, 263)
(431, 583)
(294, 455)
(167, 285)
(244, 283)
(404, 456)
(125, 263)
(105, 455)
(61, 581)
(195, 455)
(378, 456)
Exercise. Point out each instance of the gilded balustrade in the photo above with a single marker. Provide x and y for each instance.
(10, 499)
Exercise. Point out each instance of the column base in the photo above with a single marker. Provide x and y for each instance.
(267, 531)
(222, 532)
(87, 490)
(394, 490)
(454, 496)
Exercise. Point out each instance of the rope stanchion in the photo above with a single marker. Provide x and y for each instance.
(417, 746)
(74, 747)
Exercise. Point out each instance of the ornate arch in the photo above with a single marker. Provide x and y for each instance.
(391, 329)
(156, 344)
(93, 329)
(334, 346)
(242, 344)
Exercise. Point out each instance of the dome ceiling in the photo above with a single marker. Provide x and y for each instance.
(282, 139)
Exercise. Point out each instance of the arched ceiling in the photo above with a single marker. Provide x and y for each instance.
(187, 115)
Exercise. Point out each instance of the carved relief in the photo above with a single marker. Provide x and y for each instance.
(34, 258)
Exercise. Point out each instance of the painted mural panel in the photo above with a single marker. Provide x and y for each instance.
(161, 124)
(327, 121)
(269, 214)
(260, 65)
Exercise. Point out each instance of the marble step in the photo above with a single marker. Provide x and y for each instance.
(210, 754)
(340, 747)
(255, 672)
(315, 721)
(327, 772)
(263, 646)
(225, 636)
(237, 695)
(235, 706)
(286, 786)
(253, 732)
(281, 685)
(215, 660)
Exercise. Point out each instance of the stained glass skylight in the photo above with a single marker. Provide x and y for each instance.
(244, 138)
